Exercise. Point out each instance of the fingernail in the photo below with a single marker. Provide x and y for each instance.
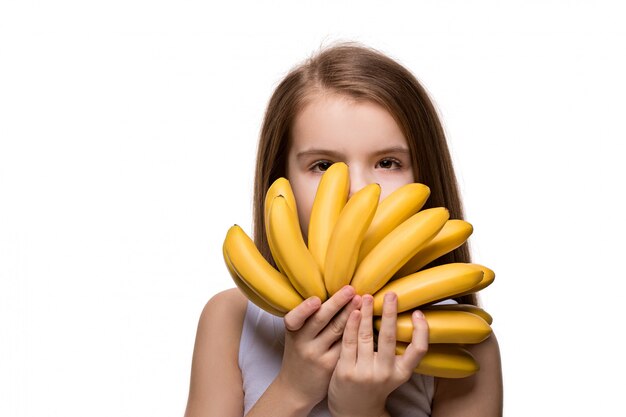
(348, 290)
(314, 301)
(418, 314)
(367, 299)
(390, 296)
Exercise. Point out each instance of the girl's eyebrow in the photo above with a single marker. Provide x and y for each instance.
(334, 154)
(317, 152)
(393, 149)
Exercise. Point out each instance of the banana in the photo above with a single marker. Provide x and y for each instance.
(400, 245)
(247, 262)
(330, 198)
(392, 211)
(460, 307)
(279, 187)
(444, 361)
(344, 244)
(443, 327)
(249, 292)
(430, 285)
(488, 277)
(453, 234)
(291, 252)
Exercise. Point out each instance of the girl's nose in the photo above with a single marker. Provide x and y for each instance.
(358, 180)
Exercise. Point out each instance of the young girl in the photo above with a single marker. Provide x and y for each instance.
(351, 104)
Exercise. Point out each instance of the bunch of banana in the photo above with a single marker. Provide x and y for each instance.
(376, 248)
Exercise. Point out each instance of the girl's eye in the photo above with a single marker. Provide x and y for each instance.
(389, 163)
(321, 166)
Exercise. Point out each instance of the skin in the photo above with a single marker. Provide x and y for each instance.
(329, 347)
(364, 378)
(333, 128)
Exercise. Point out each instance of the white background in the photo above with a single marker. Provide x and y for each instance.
(127, 141)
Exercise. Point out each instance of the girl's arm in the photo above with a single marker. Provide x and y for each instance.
(216, 387)
(311, 351)
(310, 356)
(477, 395)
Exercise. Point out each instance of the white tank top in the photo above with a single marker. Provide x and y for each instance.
(260, 357)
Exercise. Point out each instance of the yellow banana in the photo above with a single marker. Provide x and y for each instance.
(443, 327)
(453, 234)
(429, 285)
(344, 244)
(460, 307)
(254, 270)
(392, 211)
(249, 292)
(444, 361)
(330, 198)
(488, 277)
(397, 248)
(279, 187)
(291, 251)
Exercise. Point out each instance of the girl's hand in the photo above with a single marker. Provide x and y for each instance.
(312, 332)
(363, 379)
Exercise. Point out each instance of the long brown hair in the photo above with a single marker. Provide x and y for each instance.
(360, 73)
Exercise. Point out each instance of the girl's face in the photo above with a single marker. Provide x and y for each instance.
(333, 128)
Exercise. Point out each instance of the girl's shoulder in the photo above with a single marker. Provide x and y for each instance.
(227, 308)
(477, 395)
(222, 315)
(231, 296)
(216, 385)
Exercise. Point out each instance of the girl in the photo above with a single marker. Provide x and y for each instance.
(352, 104)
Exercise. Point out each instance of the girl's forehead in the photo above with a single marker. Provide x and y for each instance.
(334, 121)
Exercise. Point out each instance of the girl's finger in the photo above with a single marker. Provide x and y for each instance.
(418, 347)
(350, 340)
(366, 330)
(328, 310)
(294, 320)
(334, 331)
(387, 333)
